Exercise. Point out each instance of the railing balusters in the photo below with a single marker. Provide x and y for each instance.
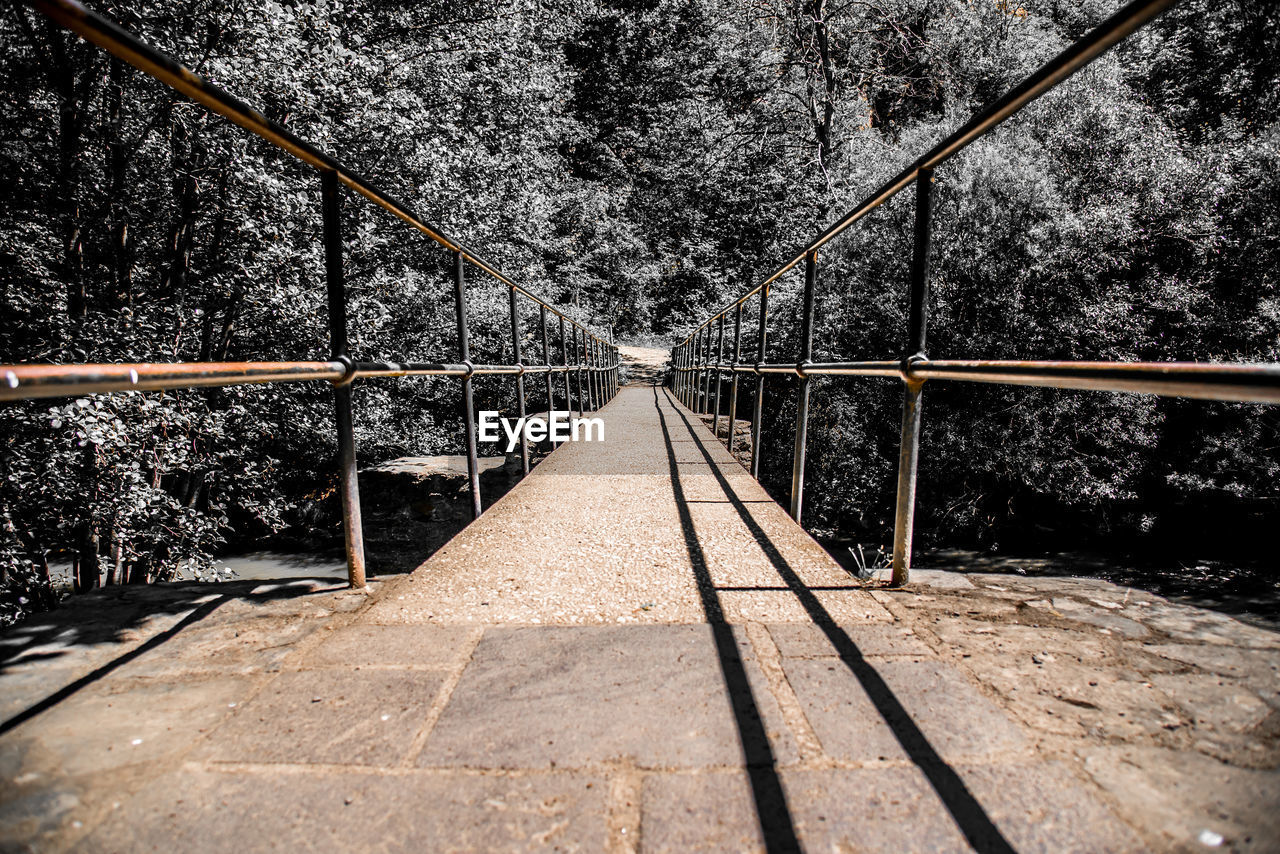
(762, 341)
(564, 360)
(468, 402)
(733, 382)
(706, 373)
(715, 423)
(694, 359)
(519, 363)
(805, 357)
(698, 375)
(677, 381)
(331, 209)
(546, 357)
(681, 361)
(588, 377)
(577, 371)
(686, 359)
(695, 362)
(909, 452)
(595, 372)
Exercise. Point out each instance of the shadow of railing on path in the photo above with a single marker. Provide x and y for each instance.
(968, 814)
(766, 787)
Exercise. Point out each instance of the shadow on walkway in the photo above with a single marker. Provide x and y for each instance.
(109, 618)
(766, 787)
(774, 815)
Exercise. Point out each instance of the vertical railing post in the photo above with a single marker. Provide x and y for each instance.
(593, 398)
(909, 453)
(694, 359)
(546, 357)
(468, 401)
(757, 417)
(331, 214)
(564, 360)
(678, 362)
(803, 360)
(700, 375)
(683, 350)
(733, 380)
(706, 373)
(577, 370)
(612, 374)
(704, 347)
(715, 422)
(695, 376)
(515, 352)
(595, 371)
(686, 359)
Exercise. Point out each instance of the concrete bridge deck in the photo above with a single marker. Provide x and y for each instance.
(636, 649)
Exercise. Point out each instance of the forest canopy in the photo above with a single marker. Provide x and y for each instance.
(639, 161)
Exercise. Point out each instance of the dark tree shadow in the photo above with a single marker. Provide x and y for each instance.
(114, 615)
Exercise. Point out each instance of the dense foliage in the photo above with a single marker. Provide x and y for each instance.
(639, 161)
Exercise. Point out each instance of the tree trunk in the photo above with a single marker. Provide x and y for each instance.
(70, 125)
(181, 232)
(117, 168)
(88, 563)
(114, 550)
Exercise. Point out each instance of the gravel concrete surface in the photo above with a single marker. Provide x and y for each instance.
(636, 650)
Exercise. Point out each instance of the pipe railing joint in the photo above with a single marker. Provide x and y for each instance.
(348, 371)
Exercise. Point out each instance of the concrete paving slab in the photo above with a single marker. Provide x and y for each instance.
(713, 811)
(858, 719)
(805, 640)
(578, 697)
(363, 645)
(366, 717)
(118, 723)
(1257, 669)
(1030, 807)
(248, 811)
(253, 646)
(1176, 796)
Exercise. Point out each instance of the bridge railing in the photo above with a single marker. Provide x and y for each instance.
(590, 359)
(698, 368)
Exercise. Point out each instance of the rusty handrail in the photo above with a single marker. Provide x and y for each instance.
(694, 369)
(593, 356)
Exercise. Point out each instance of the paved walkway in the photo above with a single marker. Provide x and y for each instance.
(636, 649)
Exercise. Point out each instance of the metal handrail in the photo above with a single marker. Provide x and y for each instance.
(694, 370)
(1243, 383)
(595, 359)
